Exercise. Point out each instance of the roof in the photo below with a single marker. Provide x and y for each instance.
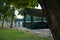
(33, 12)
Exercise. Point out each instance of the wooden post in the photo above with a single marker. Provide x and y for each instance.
(31, 19)
(24, 18)
(42, 19)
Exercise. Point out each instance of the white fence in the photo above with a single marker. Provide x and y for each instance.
(15, 24)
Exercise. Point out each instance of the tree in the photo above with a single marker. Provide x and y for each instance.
(51, 8)
(12, 18)
(5, 9)
(21, 3)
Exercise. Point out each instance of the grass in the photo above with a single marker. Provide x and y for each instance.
(19, 35)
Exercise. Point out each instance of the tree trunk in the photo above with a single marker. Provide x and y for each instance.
(12, 21)
(24, 19)
(12, 18)
(51, 9)
(4, 11)
(3, 21)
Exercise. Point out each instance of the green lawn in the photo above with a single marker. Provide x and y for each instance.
(19, 35)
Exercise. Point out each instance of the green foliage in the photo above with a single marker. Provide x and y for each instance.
(27, 3)
(22, 3)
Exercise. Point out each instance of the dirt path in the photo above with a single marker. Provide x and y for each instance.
(41, 32)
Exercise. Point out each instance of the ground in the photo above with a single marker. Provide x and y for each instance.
(10, 34)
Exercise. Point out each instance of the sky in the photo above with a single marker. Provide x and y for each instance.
(20, 16)
(39, 7)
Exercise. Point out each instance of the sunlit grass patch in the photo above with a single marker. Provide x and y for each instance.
(19, 35)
